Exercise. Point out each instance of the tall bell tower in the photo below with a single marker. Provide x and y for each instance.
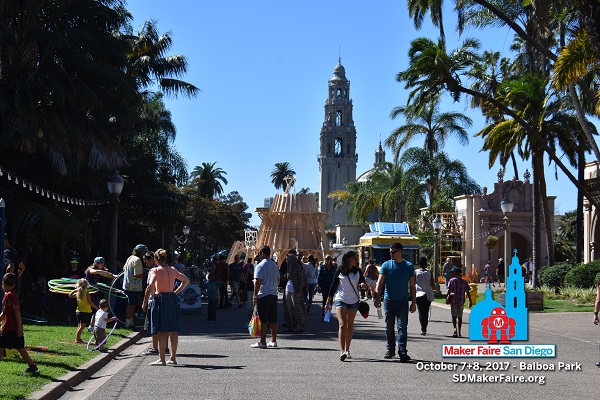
(338, 158)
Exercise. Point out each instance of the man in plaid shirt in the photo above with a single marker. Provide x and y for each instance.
(458, 289)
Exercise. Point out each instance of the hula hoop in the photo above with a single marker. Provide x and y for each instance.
(102, 342)
(33, 318)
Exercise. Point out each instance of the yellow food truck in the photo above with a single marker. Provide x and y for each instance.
(376, 243)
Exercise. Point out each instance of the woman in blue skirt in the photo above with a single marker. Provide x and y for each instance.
(165, 315)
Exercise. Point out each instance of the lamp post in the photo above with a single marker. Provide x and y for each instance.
(115, 186)
(437, 226)
(507, 206)
(2, 223)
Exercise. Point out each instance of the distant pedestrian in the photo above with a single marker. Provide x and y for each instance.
(458, 289)
(371, 276)
(248, 277)
(311, 274)
(424, 287)
(212, 291)
(395, 276)
(347, 280)
(325, 279)
(500, 270)
(294, 296)
(235, 277)
(12, 325)
(488, 274)
(266, 275)
(165, 315)
(12, 262)
(84, 307)
(447, 270)
(224, 278)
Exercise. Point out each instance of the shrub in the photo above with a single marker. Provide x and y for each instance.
(596, 278)
(554, 275)
(582, 276)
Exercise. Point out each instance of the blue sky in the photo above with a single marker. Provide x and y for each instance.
(263, 69)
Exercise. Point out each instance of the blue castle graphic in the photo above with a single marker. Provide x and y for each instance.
(492, 322)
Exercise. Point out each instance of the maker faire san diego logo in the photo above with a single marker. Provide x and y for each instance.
(500, 325)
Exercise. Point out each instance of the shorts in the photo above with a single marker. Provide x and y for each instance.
(99, 335)
(10, 340)
(267, 309)
(84, 317)
(457, 310)
(372, 283)
(133, 297)
(235, 287)
(341, 304)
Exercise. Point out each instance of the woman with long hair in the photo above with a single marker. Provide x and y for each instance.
(424, 286)
(347, 280)
(165, 315)
(84, 307)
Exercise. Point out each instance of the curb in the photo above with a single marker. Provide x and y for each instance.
(60, 386)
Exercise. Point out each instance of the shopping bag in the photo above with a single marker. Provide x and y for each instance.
(254, 325)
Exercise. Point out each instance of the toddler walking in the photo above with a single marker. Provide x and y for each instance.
(84, 307)
(11, 336)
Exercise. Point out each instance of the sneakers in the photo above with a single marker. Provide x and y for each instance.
(404, 358)
(150, 352)
(258, 345)
(348, 356)
(389, 354)
(157, 362)
(272, 345)
(598, 364)
(343, 356)
(31, 369)
(172, 362)
(90, 328)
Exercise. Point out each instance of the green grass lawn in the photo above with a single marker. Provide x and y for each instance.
(61, 357)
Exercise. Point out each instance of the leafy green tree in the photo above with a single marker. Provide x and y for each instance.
(565, 238)
(280, 172)
(208, 179)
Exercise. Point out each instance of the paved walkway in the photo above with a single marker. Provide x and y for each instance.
(216, 362)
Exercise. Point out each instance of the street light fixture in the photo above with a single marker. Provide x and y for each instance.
(507, 206)
(437, 226)
(115, 186)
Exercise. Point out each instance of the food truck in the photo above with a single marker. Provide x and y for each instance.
(376, 243)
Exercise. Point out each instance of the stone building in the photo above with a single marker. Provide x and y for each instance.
(591, 231)
(479, 216)
(338, 157)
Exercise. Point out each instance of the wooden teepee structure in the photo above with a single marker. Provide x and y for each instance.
(293, 222)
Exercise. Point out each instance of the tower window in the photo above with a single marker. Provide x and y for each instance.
(338, 118)
(329, 148)
(348, 149)
(338, 165)
(338, 147)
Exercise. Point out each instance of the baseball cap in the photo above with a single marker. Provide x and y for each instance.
(99, 260)
(141, 248)
(456, 269)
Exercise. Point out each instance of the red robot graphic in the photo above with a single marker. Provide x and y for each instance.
(495, 327)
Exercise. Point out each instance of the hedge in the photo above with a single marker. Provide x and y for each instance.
(583, 276)
(554, 275)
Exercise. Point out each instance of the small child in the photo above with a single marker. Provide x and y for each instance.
(212, 291)
(12, 325)
(84, 307)
(100, 320)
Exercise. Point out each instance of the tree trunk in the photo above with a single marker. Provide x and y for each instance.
(536, 256)
(579, 219)
(544, 208)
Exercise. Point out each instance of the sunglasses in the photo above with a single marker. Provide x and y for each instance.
(394, 252)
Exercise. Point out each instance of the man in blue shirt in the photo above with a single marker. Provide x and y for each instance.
(266, 276)
(396, 276)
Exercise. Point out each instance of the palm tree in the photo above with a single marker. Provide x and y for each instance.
(280, 172)
(208, 179)
(439, 178)
(418, 8)
(429, 122)
(149, 64)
